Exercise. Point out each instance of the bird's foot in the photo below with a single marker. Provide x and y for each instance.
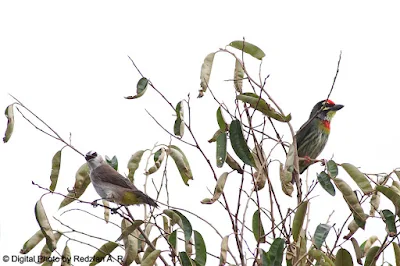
(307, 159)
(115, 210)
(95, 204)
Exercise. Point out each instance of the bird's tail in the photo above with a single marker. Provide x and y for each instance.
(143, 198)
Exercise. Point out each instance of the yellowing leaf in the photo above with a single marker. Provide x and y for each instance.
(102, 252)
(181, 163)
(233, 164)
(55, 170)
(10, 122)
(205, 73)
(44, 225)
(238, 76)
(352, 201)
(360, 179)
(179, 125)
(32, 242)
(219, 188)
(224, 250)
(133, 164)
(82, 180)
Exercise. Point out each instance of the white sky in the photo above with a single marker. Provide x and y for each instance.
(68, 63)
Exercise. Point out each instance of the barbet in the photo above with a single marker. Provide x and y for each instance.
(313, 135)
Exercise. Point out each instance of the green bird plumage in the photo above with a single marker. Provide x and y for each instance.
(313, 135)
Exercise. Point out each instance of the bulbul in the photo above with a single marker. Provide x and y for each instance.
(112, 186)
(313, 135)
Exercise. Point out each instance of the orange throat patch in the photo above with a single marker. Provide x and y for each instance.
(326, 125)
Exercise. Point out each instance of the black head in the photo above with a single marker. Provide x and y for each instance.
(90, 155)
(325, 108)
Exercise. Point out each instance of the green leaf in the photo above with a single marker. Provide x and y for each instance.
(185, 225)
(298, 219)
(172, 239)
(221, 149)
(224, 250)
(179, 125)
(258, 228)
(332, 168)
(32, 242)
(320, 257)
(343, 258)
(238, 76)
(219, 188)
(221, 121)
(321, 232)
(396, 253)
(129, 229)
(352, 202)
(370, 259)
(10, 122)
(105, 250)
(248, 48)
(274, 256)
(55, 170)
(149, 249)
(205, 73)
(44, 225)
(201, 251)
(261, 105)
(175, 219)
(82, 180)
(239, 144)
(360, 179)
(181, 163)
(66, 256)
(141, 88)
(326, 183)
(390, 194)
(233, 164)
(184, 258)
(112, 162)
(390, 222)
(150, 260)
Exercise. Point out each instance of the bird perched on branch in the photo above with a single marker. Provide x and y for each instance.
(112, 186)
(311, 138)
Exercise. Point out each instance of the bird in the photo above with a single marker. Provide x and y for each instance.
(112, 186)
(313, 135)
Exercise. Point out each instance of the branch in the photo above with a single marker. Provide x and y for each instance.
(44, 123)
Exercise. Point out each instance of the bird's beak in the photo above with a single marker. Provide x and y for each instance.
(88, 157)
(337, 107)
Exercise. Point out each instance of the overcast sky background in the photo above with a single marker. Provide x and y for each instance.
(67, 61)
